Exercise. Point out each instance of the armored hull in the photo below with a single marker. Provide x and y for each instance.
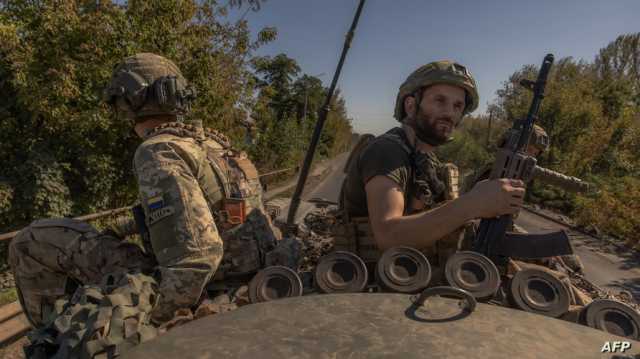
(378, 325)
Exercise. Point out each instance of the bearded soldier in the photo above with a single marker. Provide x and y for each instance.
(202, 221)
(397, 185)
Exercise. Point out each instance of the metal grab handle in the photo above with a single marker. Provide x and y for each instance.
(448, 291)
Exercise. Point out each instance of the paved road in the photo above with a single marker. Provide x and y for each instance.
(605, 265)
(328, 188)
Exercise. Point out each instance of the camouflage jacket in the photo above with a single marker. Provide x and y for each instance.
(203, 208)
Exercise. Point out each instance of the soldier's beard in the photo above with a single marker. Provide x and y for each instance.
(425, 127)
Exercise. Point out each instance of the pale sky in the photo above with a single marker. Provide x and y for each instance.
(492, 38)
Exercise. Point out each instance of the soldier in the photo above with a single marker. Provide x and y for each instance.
(398, 185)
(203, 217)
(538, 143)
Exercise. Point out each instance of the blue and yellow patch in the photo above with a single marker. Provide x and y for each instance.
(155, 203)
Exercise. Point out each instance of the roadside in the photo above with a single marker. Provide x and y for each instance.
(610, 266)
(318, 171)
(325, 184)
(12, 348)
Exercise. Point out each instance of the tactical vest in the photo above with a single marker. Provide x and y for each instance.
(432, 183)
(234, 196)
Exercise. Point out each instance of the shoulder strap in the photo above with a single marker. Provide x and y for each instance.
(400, 138)
(357, 149)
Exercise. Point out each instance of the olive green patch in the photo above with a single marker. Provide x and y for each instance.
(160, 214)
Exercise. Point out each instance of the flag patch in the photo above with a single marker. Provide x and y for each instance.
(160, 214)
(155, 203)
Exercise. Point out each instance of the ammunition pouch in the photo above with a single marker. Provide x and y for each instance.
(246, 246)
(357, 236)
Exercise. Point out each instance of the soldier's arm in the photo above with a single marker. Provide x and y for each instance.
(183, 234)
(385, 201)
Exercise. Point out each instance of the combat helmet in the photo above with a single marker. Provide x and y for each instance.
(538, 140)
(438, 72)
(147, 84)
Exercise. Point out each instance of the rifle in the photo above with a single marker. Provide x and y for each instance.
(493, 239)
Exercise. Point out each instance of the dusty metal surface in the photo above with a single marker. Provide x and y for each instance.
(474, 273)
(376, 325)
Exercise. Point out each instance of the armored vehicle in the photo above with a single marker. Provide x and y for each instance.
(359, 325)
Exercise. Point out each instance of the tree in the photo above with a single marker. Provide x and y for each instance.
(280, 109)
(591, 112)
(62, 150)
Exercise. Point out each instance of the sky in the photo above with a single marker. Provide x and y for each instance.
(493, 39)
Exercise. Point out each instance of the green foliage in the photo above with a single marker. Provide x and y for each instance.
(65, 153)
(286, 111)
(615, 210)
(473, 146)
(8, 296)
(591, 112)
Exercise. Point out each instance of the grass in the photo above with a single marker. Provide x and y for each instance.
(8, 296)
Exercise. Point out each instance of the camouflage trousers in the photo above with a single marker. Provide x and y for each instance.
(51, 258)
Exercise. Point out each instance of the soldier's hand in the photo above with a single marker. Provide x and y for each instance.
(492, 198)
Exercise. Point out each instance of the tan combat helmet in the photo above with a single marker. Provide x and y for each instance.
(438, 72)
(147, 84)
(539, 138)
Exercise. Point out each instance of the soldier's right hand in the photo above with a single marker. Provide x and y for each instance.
(492, 198)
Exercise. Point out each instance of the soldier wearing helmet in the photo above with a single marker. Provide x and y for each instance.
(398, 185)
(201, 215)
(202, 199)
(538, 143)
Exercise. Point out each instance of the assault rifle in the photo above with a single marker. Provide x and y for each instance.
(512, 161)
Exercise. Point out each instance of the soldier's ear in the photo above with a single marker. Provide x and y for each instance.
(409, 106)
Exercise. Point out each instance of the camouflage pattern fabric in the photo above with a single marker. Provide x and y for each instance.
(183, 234)
(437, 72)
(147, 84)
(98, 321)
(192, 185)
(51, 257)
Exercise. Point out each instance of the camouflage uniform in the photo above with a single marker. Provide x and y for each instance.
(52, 257)
(183, 190)
(203, 220)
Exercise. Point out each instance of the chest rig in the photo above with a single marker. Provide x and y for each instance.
(232, 189)
(431, 183)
